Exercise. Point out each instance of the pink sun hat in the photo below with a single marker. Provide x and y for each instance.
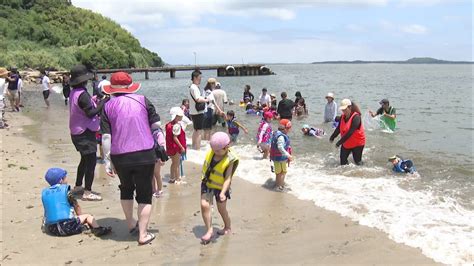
(219, 141)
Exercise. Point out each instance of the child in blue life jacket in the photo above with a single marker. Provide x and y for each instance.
(62, 214)
(219, 166)
(280, 153)
(313, 132)
(233, 126)
(402, 166)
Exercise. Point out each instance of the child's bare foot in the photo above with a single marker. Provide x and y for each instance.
(206, 239)
(224, 231)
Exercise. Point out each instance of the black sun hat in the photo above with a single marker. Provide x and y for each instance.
(79, 74)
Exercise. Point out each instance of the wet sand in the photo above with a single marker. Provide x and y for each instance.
(268, 227)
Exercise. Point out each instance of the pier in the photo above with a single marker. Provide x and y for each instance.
(222, 70)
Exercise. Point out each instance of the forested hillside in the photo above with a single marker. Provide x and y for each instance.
(56, 35)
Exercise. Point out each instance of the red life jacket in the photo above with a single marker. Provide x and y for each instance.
(171, 147)
(357, 138)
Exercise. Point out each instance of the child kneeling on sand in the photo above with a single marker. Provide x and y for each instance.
(60, 205)
(217, 171)
(280, 153)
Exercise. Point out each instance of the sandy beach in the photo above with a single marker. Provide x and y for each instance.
(268, 227)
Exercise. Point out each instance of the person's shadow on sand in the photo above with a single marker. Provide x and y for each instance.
(120, 232)
(200, 230)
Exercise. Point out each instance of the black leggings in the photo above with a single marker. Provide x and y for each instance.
(136, 178)
(86, 168)
(356, 154)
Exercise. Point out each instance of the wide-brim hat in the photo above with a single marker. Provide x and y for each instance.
(80, 74)
(394, 157)
(344, 104)
(3, 72)
(330, 95)
(121, 82)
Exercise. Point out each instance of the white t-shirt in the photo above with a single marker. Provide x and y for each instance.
(196, 93)
(265, 99)
(45, 82)
(103, 83)
(3, 86)
(220, 97)
(20, 84)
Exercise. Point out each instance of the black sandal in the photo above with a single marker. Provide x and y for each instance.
(101, 230)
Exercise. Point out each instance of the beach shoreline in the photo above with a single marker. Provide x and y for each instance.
(268, 227)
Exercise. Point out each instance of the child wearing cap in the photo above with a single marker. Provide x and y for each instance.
(264, 134)
(175, 143)
(62, 214)
(280, 152)
(313, 132)
(233, 126)
(219, 166)
(402, 166)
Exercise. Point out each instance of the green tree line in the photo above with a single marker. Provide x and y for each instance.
(53, 34)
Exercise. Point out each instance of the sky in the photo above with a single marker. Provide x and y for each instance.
(300, 31)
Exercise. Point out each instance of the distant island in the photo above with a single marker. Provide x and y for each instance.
(415, 60)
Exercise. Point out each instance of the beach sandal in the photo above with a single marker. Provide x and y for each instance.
(91, 197)
(172, 181)
(152, 237)
(134, 230)
(224, 232)
(101, 230)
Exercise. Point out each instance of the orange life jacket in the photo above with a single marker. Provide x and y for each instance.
(357, 138)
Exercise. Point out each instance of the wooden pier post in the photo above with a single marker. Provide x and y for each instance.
(146, 75)
(172, 73)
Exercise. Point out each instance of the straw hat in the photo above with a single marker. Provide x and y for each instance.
(212, 80)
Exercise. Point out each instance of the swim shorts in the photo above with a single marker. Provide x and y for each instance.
(66, 228)
(198, 121)
(233, 137)
(280, 167)
(209, 192)
(46, 94)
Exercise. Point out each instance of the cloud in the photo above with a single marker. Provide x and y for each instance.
(406, 29)
(355, 28)
(414, 29)
(234, 46)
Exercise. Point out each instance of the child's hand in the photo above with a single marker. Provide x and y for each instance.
(246, 131)
(109, 168)
(222, 196)
(183, 150)
(290, 158)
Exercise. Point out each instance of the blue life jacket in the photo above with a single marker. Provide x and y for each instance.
(275, 154)
(404, 166)
(56, 205)
(232, 127)
(13, 85)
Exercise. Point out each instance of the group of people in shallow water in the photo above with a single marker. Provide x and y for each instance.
(135, 148)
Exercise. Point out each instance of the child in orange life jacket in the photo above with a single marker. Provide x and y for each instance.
(175, 143)
(264, 134)
(280, 152)
(61, 208)
(233, 126)
(161, 158)
(217, 171)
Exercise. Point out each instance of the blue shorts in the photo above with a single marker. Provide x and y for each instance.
(212, 191)
(66, 228)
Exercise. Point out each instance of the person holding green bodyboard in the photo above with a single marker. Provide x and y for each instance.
(388, 115)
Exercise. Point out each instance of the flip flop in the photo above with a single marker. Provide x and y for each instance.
(152, 237)
(206, 241)
(134, 229)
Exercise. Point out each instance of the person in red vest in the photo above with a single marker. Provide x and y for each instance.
(352, 133)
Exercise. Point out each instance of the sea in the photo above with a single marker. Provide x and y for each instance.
(432, 211)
